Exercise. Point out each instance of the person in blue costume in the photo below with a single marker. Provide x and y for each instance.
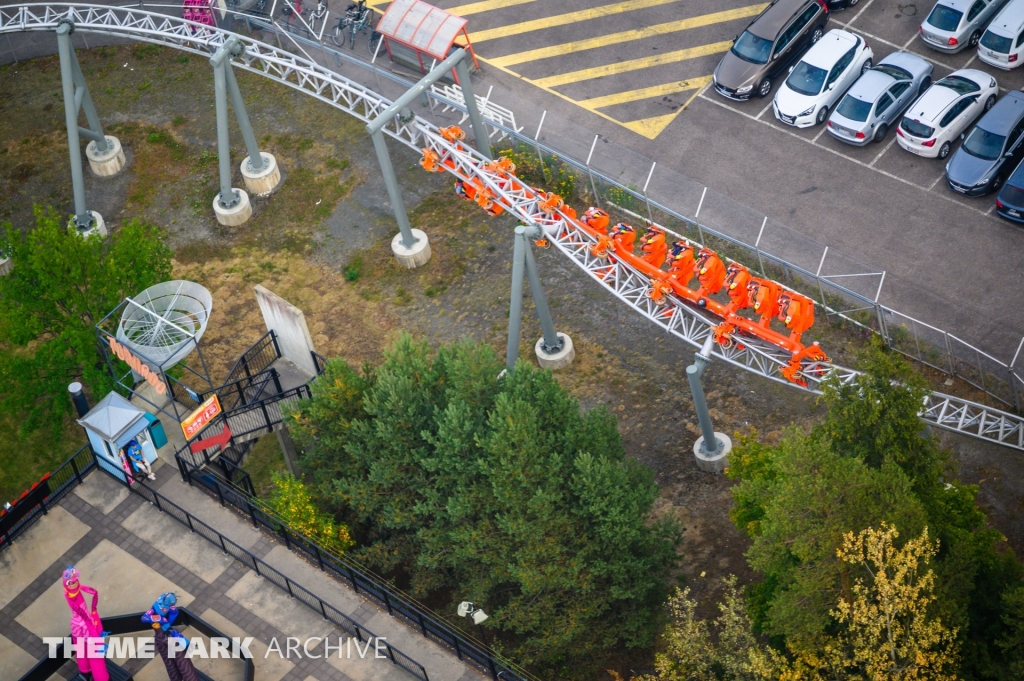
(161, 616)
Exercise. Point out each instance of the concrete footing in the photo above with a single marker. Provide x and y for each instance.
(236, 214)
(5, 266)
(713, 463)
(264, 181)
(558, 360)
(98, 226)
(417, 255)
(109, 162)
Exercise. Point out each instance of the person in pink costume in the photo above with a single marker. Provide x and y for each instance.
(85, 624)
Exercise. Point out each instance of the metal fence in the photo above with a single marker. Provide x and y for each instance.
(362, 582)
(61, 481)
(293, 588)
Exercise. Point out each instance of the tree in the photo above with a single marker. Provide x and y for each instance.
(60, 286)
(887, 634)
(496, 490)
(291, 501)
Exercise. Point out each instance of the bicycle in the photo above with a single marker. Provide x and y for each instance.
(358, 17)
(290, 10)
(318, 15)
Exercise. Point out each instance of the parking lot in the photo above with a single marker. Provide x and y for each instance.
(638, 73)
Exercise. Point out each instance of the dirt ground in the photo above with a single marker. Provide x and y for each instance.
(322, 242)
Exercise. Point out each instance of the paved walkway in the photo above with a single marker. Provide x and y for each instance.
(131, 553)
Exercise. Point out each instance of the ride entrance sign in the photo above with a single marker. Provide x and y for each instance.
(201, 417)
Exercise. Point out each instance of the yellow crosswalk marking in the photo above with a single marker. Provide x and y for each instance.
(563, 19)
(487, 5)
(652, 127)
(633, 64)
(628, 36)
(645, 93)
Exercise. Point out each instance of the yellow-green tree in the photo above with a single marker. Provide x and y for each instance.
(291, 502)
(887, 631)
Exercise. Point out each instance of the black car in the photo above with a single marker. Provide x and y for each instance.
(1010, 201)
(990, 149)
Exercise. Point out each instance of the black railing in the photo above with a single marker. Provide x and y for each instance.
(246, 390)
(256, 359)
(194, 471)
(363, 583)
(319, 361)
(130, 624)
(59, 483)
(184, 395)
(294, 589)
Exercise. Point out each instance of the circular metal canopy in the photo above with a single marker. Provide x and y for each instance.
(165, 322)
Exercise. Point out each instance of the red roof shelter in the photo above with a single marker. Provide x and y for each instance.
(424, 29)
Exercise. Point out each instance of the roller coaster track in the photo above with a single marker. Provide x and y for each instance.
(675, 316)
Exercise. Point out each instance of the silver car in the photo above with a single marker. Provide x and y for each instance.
(953, 25)
(878, 98)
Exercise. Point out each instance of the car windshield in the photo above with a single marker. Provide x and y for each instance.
(752, 48)
(945, 18)
(984, 144)
(996, 43)
(915, 128)
(854, 109)
(806, 79)
(959, 84)
(894, 71)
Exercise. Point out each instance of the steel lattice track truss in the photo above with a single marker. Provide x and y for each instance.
(629, 286)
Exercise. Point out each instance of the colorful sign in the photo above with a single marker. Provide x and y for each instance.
(138, 366)
(201, 417)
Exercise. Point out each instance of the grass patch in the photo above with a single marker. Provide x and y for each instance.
(262, 462)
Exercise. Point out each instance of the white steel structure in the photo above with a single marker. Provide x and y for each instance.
(629, 286)
(165, 322)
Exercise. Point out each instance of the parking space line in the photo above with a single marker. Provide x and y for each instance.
(645, 93)
(768, 106)
(857, 16)
(563, 19)
(969, 61)
(820, 133)
(907, 44)
(989, 211)
(903, 48)
(936, 181)
(629, 36)
(882, 152)
(714, 101)
(487, 5)
(633, 64)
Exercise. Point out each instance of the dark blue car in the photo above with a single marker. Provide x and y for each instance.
(1010, 201)
(990, 149)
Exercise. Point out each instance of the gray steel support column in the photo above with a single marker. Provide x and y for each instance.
(394, 191)
(228, 198)
(67, 53)
(552, 342)
(83, 95)
(255, 158)
(515, 312)
(483, 143)
(694, 373)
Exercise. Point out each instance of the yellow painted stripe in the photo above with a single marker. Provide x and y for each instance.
(563, 19)
(645, 93)
(486, 6)
(633, 64)
(629, 36)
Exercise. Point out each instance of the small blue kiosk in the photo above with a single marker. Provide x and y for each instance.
(111, 425)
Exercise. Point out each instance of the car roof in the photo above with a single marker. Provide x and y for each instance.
(908, 62)
(775, 18)
(830, 47)
(932, 104)
(870, 85)
(1009, 19)
(1005, 114)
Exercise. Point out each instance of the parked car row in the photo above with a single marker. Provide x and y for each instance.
(831, 78)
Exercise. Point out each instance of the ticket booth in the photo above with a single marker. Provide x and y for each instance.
(418, 34)
(111, 425)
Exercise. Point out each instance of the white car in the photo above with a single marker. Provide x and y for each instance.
(1002, 45)
(944, 111)
(820, 78)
